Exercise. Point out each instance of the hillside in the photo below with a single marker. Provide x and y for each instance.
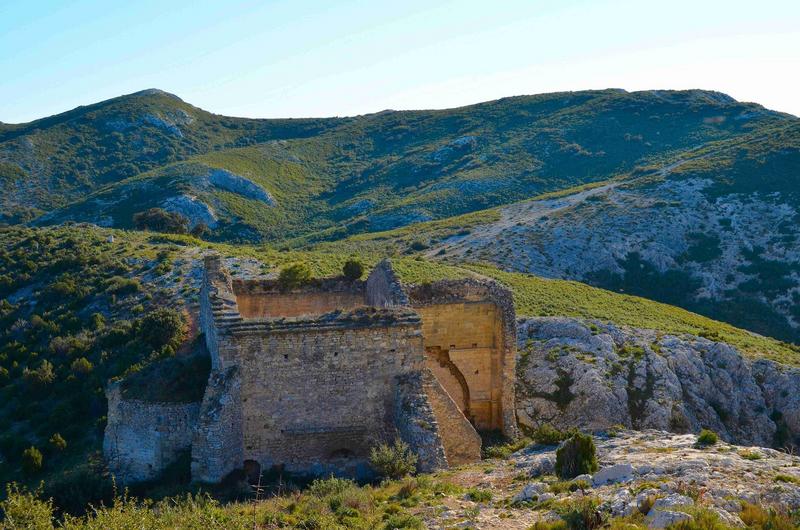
(325, 179)
(714, 230)
(49, 162)
(78, 305)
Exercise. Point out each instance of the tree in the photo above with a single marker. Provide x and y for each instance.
(200, 230)
(576, 456)
(162, 327)
(160, 220)
(293, 276)
(58, 442)
(31, 460)
(81, 366)
(41, 376)
(353, 269)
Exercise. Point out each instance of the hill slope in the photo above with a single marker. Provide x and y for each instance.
(354, 175)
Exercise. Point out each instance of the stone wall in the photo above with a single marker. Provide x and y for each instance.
(295, 304)
(416, 422)
(143, 438)
(217, 443)
(265, 299)
(383, 289)
(331, 391)
(470, 340)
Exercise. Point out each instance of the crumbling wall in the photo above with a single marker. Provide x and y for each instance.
(217, 309)
(383, 288)
(143, 438)
(416, 422)
(217, 442)
(462, 444)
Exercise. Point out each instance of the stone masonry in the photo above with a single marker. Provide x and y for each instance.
(309, 380)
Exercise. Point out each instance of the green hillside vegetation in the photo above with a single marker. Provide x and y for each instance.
(98, 305)
(334, 178)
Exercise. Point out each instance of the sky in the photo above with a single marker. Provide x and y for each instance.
(338, 58)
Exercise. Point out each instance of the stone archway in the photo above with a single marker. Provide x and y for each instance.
(450, 377)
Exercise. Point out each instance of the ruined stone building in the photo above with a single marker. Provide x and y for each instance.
(311, 379)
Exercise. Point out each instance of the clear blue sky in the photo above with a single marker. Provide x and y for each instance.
(324, 58)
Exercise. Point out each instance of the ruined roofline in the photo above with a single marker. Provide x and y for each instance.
(337, 284)
(359, 318)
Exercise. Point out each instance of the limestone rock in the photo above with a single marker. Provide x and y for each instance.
(663, 518)
(595, 375)
(613, 474)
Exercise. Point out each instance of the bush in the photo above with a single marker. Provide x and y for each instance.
(58, 442)
(163, 327)
(123, 286)
(81, 366)
(41, 376)
(31, 460)
(294, 275)
(546, 434)
(353, 269)
(576, 456)
(23, 509)
(393, 461)
(707, 437)
(160, 220)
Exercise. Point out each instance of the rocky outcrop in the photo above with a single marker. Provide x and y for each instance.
(228, 181)
(592, 375)
(195, 210)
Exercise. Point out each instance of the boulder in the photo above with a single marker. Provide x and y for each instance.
(613, 474)
(665, 518)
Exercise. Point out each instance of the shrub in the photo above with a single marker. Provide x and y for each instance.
(393, 461)
(160, 220)
(23, 509)
(546, 434)
(576, 456)
(123, 286)
(41, 376)
(162, 327)
(707, 437)
(200, 230)
(294, 275)
(31, 460)
(479, 495)
(353, 269)
(81, 366)
(58, 442)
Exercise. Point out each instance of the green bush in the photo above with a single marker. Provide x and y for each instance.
(81, 366)
(58, 442)
(393, 461)
(31, 460)
(160, 220)
(546, 434)
(162, 327)
(23, 509)
(707, 437)
(41, 376)
(576, 456)
(123, 286)
(353, 269)
(294, 275)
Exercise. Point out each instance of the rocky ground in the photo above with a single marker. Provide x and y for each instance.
(673, 232)
(654, 476)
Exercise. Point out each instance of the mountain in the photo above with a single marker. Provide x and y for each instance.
(50, 162)
(686, 197)
(325, 179)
